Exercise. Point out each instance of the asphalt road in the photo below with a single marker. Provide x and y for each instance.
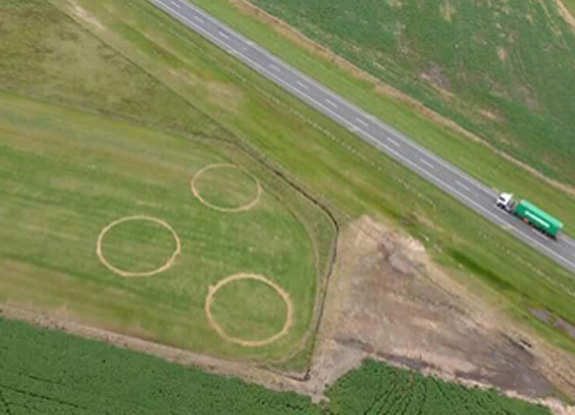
(450, 179)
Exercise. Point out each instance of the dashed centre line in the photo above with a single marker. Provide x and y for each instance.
(331, 103)
(362, 122)
(464, 187)
(224, 35)
(304, 86)
(392, 141)
(427, 163)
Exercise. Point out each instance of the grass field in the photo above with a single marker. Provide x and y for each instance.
(502, 70)
(310, 150)
(474, 158)
(45, 372)
(65, 175)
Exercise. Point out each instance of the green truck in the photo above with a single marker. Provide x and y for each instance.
(530, 214)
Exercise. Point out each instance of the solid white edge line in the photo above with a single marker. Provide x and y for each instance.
(379, 143)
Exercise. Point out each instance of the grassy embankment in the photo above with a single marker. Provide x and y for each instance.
(45, 372)
(317, 154)
(503, 70)
(526, 133)
(312, 150)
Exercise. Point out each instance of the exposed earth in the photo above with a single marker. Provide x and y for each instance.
(386, 301)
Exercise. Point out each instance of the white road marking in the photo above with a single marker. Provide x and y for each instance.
(304, 86)
(176, 4)
(392, 141)
(464, 187)
(224, 35)
(199, 19)
(330, 102)
(427, 163)
(362, 122)
(275, 68)
(397, 155)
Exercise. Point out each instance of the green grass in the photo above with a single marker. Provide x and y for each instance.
(405, 392)
(47, 372)
(314, 153)
(251, 305)
(476, 159)
(507, 67)
(227, 187)
(138, 246)
(65, 175)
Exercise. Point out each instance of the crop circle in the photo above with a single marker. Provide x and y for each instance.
(255, 277)
(130, 274)
(245, 207)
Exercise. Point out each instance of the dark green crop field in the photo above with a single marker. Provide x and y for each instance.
(44, 372)
(504, 70)
(377, 389)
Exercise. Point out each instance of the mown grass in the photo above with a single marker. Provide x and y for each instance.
(249, 310)
(227, 187)
(65, 175)
(47, 372)
(313, 152)
(501, 70)
(474, 158)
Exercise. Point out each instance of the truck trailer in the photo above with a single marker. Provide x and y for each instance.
(530, 214)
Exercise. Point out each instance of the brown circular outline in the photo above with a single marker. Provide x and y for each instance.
(129, 274)
(243, 208)
(256, 277)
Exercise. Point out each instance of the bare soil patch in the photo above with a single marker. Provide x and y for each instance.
(388, 301)
(260, 278)
(81, 13)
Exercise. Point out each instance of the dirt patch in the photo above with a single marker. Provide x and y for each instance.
(548, 318)
(388, 301)
(434, 75)
(226, 96)
(447, 11)
(249, 343)
(502, 54)
(130, 274)
(82, 14)
(564, 12)
(244, 208)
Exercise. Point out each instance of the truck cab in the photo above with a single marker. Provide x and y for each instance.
(505, 201)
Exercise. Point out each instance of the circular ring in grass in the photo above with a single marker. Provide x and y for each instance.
(226, 188)
(140, 238)
(242, 313)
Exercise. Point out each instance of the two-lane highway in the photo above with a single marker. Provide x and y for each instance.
(450, 179)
